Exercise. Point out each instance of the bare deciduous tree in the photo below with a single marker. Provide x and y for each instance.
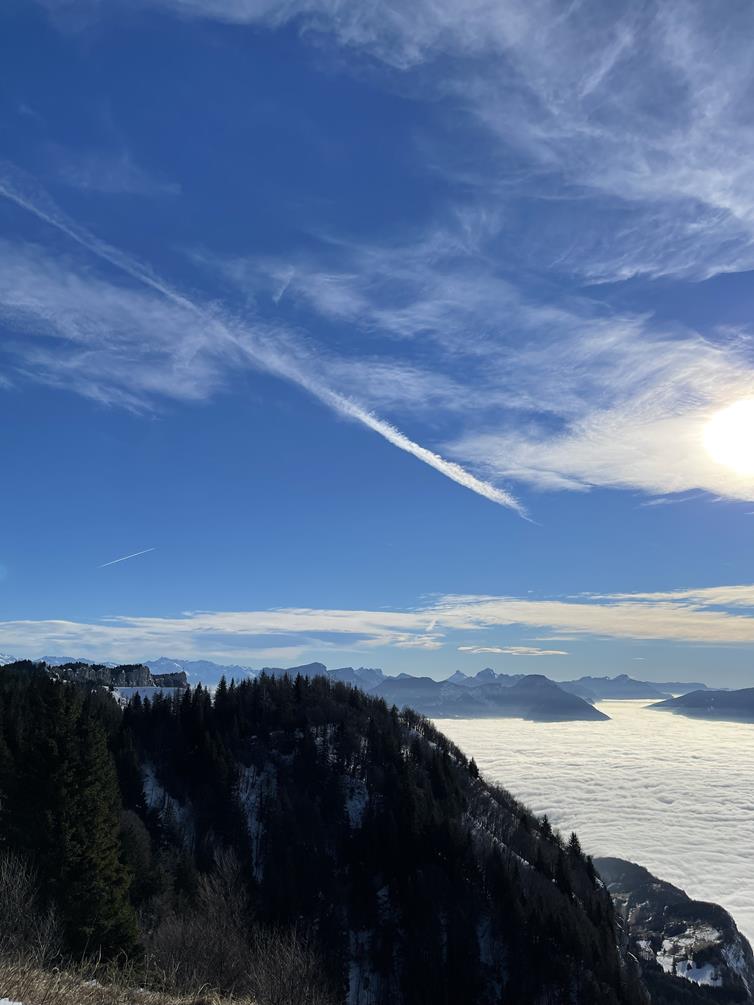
(24, 925)
(215, 944)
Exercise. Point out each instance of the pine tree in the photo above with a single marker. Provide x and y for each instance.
(574, 846)
(94, 882)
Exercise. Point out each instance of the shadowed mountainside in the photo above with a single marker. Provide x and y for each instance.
(737, 705)
(679, 941)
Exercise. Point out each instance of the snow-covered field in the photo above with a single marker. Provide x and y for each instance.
(674, 794)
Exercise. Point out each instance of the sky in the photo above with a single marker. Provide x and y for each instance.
(403, 335)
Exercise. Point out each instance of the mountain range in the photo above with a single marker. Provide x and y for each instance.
(485, 694)
(531, 696)
(200, 671)
(591, 689)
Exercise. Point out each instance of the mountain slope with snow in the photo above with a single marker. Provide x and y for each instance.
(673, 935)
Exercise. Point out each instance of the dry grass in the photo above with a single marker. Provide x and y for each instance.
(24, 981)
(190, 954)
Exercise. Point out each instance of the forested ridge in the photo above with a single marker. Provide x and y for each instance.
(308, 810)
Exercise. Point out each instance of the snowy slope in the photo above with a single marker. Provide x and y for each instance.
(686, 938)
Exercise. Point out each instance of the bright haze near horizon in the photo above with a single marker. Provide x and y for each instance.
(415, 336)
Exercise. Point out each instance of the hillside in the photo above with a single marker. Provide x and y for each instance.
(303, 806)
(737, 706)
(680, 941)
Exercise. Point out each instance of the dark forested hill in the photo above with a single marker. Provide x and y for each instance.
(361, 827)
(737, 706)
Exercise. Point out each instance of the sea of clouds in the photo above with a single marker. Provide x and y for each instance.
(672, 793)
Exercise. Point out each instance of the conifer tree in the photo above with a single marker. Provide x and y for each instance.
(94, 882)
(574, 845)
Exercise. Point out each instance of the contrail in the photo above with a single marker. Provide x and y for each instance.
(13, 189)
(450, 469)
(125, 558)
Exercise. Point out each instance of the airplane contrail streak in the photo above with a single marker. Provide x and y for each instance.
(125, 558)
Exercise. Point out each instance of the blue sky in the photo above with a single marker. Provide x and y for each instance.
(395, 332)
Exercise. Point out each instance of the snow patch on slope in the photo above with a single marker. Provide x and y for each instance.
(357, 799)
(174, 814)
(735, 957)
(255, 789)
(677, 955)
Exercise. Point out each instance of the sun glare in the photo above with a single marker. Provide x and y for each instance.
(729, 437)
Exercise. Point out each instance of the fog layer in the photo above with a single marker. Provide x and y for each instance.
(675, 794)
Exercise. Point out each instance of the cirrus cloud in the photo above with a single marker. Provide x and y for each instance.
(511, 651)
(710, 616)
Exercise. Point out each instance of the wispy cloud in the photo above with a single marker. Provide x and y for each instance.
(125, 558)
(568, 92)
(708, 596)
(194, 347)
(711, 616)
(511, 651)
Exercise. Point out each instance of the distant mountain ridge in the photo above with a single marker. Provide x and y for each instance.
(735, 706)
(532, 696)
(621, 687)
(460, 695)
(486, 676)
(199, 671)
(625, 688)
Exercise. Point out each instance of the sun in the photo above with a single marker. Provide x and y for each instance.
(729, 437)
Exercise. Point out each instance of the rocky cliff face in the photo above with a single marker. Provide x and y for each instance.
(177, 679)
(679, 941)
(126, 675)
